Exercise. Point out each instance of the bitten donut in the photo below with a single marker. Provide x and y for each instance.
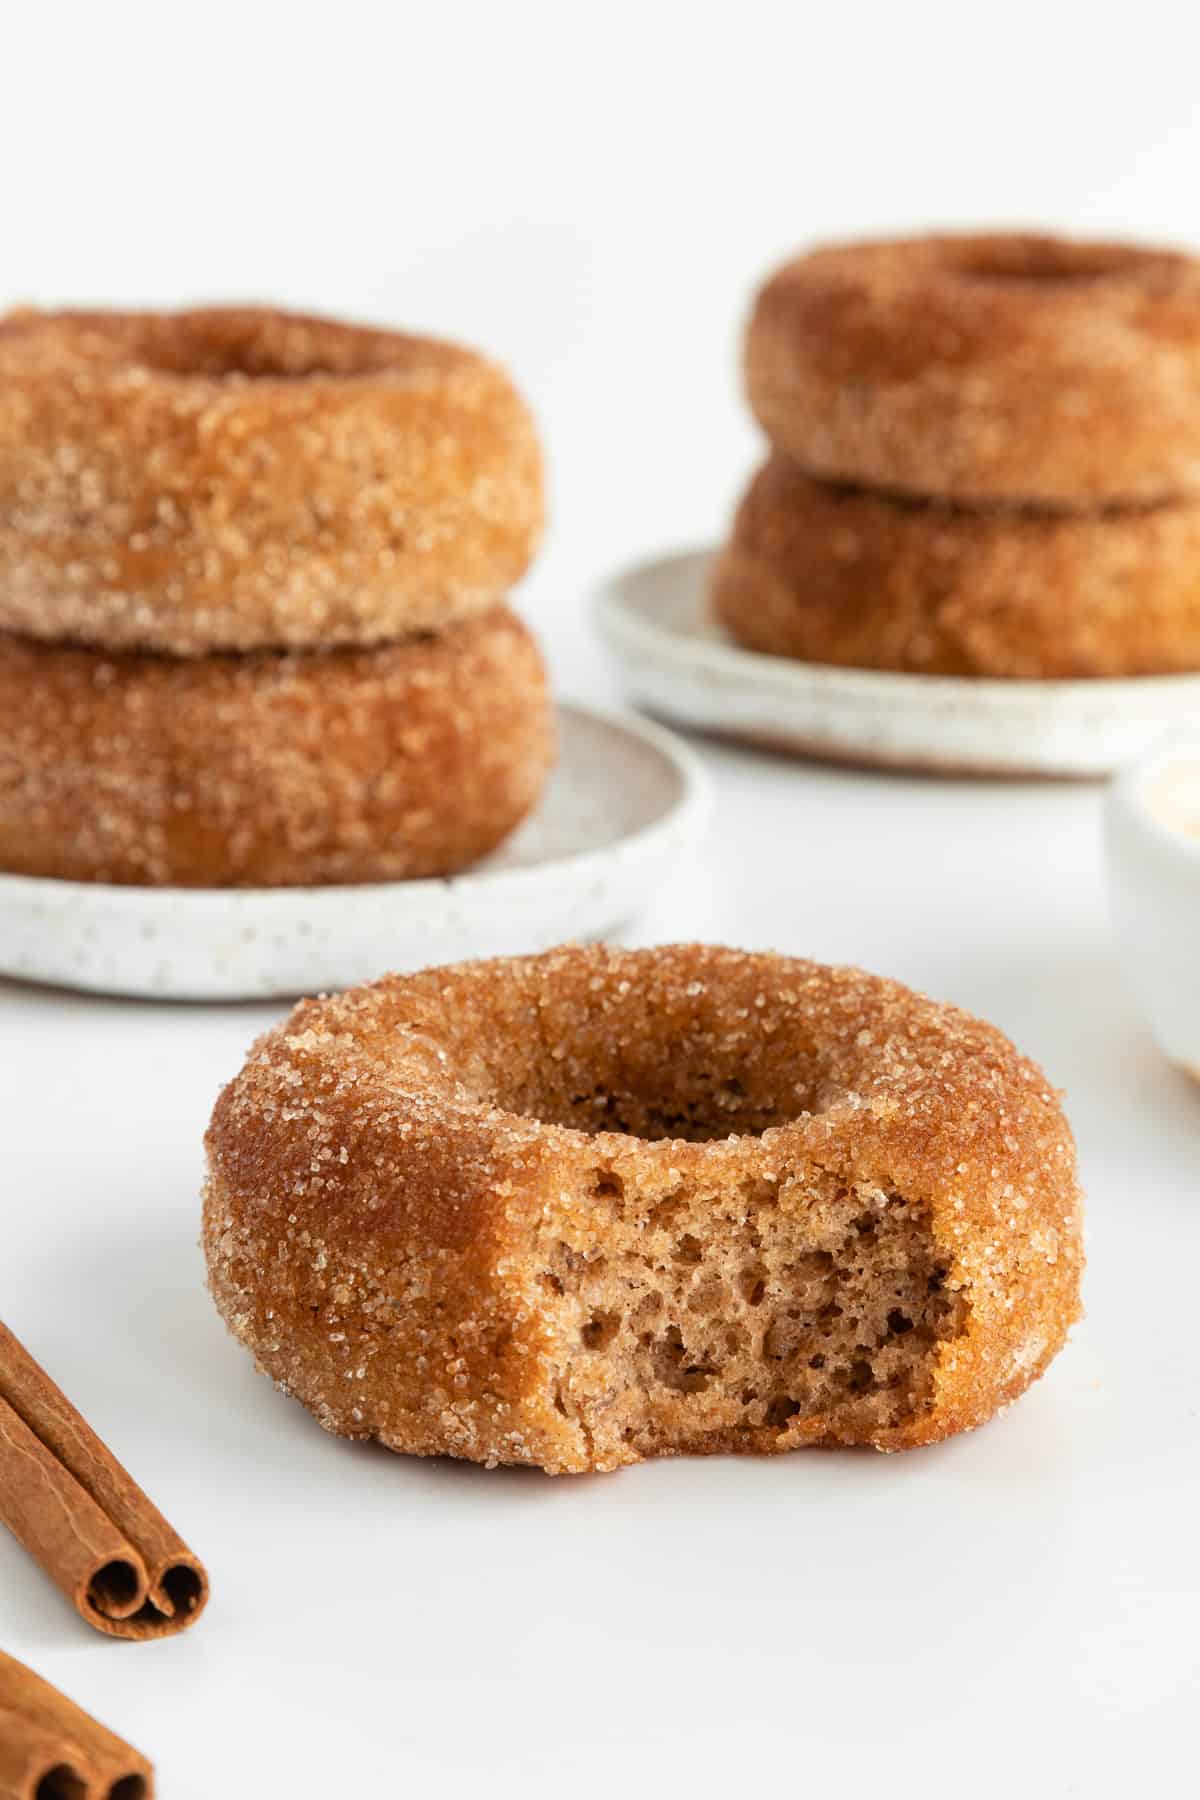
(241, 479)
(985, 368)
(841, 575)
(273, 769)
(591, 1206)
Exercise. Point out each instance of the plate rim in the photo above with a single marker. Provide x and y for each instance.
(621, 622)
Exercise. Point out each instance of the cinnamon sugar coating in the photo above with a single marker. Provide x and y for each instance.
(1002, 367)
(585, 1207)
(272, 769)
(239, 478)
(865, 580)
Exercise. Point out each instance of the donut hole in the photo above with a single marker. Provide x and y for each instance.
(688, 1080)
(734, 1318)
(1045, 262)
(697, 1054)
(240, 344)
(258, 348)
(692, 1110)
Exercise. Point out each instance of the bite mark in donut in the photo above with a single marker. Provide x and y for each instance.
(587, 1207)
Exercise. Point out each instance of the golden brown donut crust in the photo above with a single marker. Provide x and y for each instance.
(240, 479)
(862, 580)
(274, 769)
(417, 1203)
(1004, 367)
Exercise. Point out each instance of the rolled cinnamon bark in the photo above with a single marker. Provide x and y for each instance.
(82, 1517)
(50, 1749)
(37, 1764)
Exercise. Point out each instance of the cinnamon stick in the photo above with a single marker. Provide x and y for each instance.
(50, 1749)
(35, 1764)
(82, 1517)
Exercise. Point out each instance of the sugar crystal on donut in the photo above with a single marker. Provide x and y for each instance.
(854, 578)
(591, 1206)
(985, 367)
(239, 478)
(274, 768)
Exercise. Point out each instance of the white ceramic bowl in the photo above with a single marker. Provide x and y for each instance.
(1154, 891)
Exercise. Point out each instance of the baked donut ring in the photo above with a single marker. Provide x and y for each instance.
(274, 769)
(1013, 368)
(243, 479)
(870, 581)
(591, 1206)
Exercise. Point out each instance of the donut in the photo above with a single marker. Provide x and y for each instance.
(272, 769)
(1016, 368)
(866, 580)
(586, 1207)
(243, 479)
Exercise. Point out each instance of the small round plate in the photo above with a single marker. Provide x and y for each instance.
(677, 661)
(624, 803)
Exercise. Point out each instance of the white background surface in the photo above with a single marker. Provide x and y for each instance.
(590, 193)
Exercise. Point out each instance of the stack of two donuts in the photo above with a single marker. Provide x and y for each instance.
(253, 629)
(985, 461)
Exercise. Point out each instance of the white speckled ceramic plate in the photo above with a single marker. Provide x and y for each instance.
(678, 662)
(625, 802)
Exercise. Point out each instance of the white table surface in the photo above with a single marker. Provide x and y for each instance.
(1013, 1611)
